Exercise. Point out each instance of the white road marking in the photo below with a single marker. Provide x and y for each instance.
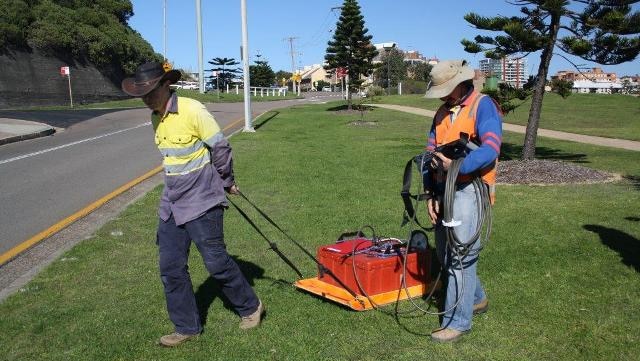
(70, 144)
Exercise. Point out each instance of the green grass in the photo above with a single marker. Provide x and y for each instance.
(561, 270)
(613, 116)
(412, 100)
(210, 97)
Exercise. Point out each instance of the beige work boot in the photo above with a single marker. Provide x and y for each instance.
(446, 335)
(175, 339)
(481, 307)
(254, 319)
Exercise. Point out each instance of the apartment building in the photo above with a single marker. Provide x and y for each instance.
(512, 71)
(593, 74)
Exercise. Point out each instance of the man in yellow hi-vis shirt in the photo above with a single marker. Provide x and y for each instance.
(198, 168)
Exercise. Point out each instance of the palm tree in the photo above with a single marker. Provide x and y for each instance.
(225, 74)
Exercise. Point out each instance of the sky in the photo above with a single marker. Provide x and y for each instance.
(433, 28)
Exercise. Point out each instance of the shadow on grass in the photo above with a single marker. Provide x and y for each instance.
(209, 290)
(634, 180)
(510, 151)
(355, 108)
(627, 246)
(274, 114)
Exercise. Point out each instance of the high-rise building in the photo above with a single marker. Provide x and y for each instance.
(512, 71)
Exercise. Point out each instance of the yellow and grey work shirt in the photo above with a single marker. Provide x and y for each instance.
(197, 160)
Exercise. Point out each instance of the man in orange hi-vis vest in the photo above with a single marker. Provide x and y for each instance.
(466, 111)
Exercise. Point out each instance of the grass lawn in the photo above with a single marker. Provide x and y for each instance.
(613, 116)
(210, 97)
(561, 270)
(411, 100)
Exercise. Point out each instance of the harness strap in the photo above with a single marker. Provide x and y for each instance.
(408, 198)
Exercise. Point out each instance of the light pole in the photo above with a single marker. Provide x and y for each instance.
(248, 127)
(387, 48)
(164, 29)
(199, 33)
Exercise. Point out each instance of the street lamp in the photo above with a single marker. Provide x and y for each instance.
(387, 48)
(248, 126)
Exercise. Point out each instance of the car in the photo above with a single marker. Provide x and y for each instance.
(326, 89)
(183, 84)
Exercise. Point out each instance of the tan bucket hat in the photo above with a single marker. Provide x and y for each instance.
(446, 75)
(147, 76)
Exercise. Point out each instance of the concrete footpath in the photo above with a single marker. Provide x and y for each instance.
(14, 130)
(588, 139)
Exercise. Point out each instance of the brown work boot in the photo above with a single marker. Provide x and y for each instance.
(481, 307)
(175, 339)
(254, 319)
(446, 335)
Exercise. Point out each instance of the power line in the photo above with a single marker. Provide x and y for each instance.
(318, 35)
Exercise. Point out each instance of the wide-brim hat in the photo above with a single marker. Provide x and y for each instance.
(147, 76)
(446, 75)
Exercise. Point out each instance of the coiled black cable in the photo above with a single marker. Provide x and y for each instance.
(484, 217)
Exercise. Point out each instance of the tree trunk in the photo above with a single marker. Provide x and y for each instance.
(529, 147)
(348, 90)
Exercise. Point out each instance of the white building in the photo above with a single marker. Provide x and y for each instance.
(599, 87)
(507, 70)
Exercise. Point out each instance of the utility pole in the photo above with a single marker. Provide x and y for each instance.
(200, 61)
(293, 59)
(248, 127)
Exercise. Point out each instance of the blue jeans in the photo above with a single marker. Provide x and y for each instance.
(465, 210)
(173, 245)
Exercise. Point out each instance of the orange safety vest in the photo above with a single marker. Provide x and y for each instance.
(464, 122)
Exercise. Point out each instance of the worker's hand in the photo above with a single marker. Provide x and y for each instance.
(441, 160)
(433, 207)
(233, 190)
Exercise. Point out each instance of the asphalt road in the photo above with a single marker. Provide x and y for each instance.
(46, 180)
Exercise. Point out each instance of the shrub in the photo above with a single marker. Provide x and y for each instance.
(410, 86)
(375, 90)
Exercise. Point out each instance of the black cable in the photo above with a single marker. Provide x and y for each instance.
(461, 249)
(322, 268)
(272, 245)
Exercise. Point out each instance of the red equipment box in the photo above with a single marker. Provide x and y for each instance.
(375, 274)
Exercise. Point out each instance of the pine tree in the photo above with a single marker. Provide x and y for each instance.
(351, 47)
(601, 31)
(261, 74)
(392, 70)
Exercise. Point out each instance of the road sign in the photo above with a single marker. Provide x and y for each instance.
(64, 71)
(166, 66)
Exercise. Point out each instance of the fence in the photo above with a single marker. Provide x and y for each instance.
(268, 91)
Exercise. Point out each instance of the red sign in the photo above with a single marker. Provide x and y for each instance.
(64, 70)
(341, 72)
